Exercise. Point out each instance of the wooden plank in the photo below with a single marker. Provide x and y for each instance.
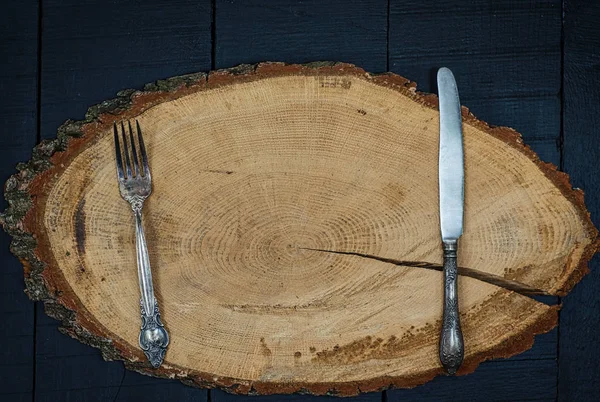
(544, 347)
(18, 113)
(299, 32)
(528, 376)
(510, 381)
(18, 397)
(158, 392)
(505, 55)
(220, 396)
(91, 51)
(580, 317)
(69, 370)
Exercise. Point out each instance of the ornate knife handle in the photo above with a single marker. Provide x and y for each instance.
(153, 336)
(452, 348)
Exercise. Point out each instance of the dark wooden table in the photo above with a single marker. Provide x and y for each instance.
(531, 65)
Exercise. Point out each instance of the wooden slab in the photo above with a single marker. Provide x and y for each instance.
(293, 231)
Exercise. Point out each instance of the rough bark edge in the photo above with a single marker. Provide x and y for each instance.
(19, 220)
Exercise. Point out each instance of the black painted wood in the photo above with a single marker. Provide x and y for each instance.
(579, 354)
(510, 381)
(505, 54)
(18, 116)
(299, 32)
(506, 57)
(91, 50)
(72, 371)
(220, 396)
(293, 31)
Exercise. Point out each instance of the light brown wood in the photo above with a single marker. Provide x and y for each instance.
(279, 195)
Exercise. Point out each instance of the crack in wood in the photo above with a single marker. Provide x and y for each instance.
(219, 171)
(487, 277)
(49, 154)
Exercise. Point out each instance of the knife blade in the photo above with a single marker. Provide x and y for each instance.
(451, 188)
(451, 169)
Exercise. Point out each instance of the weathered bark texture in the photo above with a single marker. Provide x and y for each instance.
(293, 231)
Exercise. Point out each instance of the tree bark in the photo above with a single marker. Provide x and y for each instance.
(293, 231)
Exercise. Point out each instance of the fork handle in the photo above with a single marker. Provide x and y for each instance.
(451, 341)
(153, 336)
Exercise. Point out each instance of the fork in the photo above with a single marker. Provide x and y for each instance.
(135, 186)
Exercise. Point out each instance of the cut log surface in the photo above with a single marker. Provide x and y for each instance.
(294, 232)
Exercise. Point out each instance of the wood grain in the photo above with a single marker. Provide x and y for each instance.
(297, 32)
(509, 50)
(307, 171)
(90, 51)
(18, 113)
(580, 318)
(253, 31)
(88, 45)
(501, 381)
(220, 396)
(506, 56)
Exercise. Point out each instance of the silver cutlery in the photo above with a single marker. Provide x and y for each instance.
(135, 185)
(451, 187)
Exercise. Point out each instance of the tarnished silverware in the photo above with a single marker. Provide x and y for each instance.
(135, 185)
(451, 182)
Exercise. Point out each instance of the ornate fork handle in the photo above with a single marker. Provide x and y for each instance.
(153, 336)
(135, 185)
(451, 341)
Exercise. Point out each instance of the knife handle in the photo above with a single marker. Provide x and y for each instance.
(452, 348)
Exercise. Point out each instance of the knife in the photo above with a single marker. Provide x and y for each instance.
(451, 187)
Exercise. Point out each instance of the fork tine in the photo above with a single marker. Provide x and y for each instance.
(136, 164)
(143, 150)
(127, 160)
(118, 153)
